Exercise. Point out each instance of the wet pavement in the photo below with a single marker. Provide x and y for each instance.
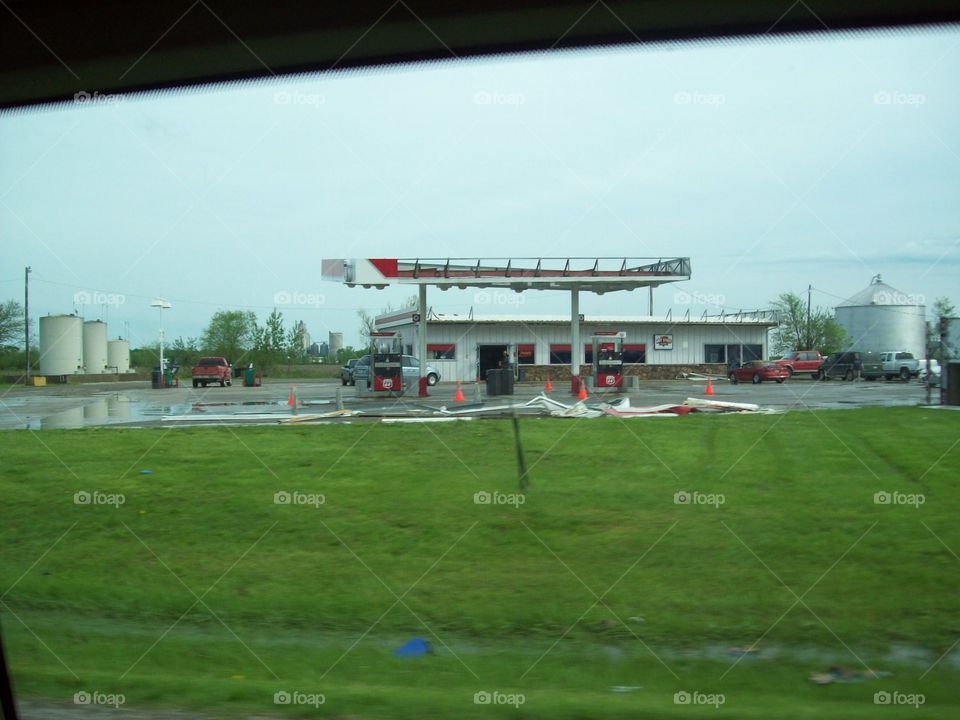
(135, 404)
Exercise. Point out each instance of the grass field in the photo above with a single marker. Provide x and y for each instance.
(199, 591)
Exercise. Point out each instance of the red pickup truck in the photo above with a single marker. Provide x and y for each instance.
(802, 361)
(211, 370)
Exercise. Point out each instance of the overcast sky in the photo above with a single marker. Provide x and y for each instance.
(771, 165)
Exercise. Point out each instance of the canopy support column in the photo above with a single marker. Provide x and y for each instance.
(575, 340)
(422, 339)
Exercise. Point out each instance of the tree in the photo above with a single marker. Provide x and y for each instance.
(231, 333)
(822, 333)
(183, 353)
(295, 338)
(366, 324)
(11, 323)
(942, 307)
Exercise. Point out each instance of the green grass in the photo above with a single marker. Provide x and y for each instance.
(288, 591)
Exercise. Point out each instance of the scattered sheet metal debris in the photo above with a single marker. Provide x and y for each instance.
(413, 413)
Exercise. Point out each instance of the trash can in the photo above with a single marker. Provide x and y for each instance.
(155, 378)
(506, 380)
(494, 386)
(249, 379)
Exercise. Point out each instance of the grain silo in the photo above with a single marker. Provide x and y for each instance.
(118, 356)
(881, 318)
(94, 347)
(61, 345)
(336, 343)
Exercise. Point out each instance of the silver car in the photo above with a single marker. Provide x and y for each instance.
(411, 371)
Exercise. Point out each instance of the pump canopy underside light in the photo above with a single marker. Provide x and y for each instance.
(590, 274)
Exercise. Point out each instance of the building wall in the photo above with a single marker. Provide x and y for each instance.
(688, 340)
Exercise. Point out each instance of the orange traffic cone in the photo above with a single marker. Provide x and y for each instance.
(290, 400)
(548, 387)
(583, 390)
(458, 395)
(709, 390)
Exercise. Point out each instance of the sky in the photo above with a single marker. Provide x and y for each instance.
(773, 165)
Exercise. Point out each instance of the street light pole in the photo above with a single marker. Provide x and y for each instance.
(26, 323)
(163, 305)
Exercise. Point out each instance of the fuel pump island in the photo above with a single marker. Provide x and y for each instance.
(608, 361)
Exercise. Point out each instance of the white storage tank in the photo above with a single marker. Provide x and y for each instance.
(118, 356)
(881, 318)
(61, 345)
(336, 343)
(94, 347)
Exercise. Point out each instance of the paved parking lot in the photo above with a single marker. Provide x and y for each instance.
(135, 403)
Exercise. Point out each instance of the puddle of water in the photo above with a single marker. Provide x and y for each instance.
(111, 409)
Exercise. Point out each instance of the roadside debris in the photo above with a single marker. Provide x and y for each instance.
(417, 647)
(748, 651)
(539, 406)
(845, 675)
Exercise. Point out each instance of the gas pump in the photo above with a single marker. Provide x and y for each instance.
(386, 363)
(608, 360)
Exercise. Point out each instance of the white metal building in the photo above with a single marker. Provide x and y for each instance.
(463, 347)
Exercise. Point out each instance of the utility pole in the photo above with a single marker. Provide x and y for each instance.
(809, 344)
(26, 323)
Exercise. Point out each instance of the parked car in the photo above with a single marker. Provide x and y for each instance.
(361, 371)
(840, 365)
(346, 372)
(899, 364)
(757, 371)
(802, 361)
(411, 371)
(933, 371)
(211, 370)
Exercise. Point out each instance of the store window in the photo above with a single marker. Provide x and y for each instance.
(559, 354)
(526, 354)
(442, 351)
(634, 353)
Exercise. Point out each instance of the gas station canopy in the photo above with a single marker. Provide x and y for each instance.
(597, 275)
